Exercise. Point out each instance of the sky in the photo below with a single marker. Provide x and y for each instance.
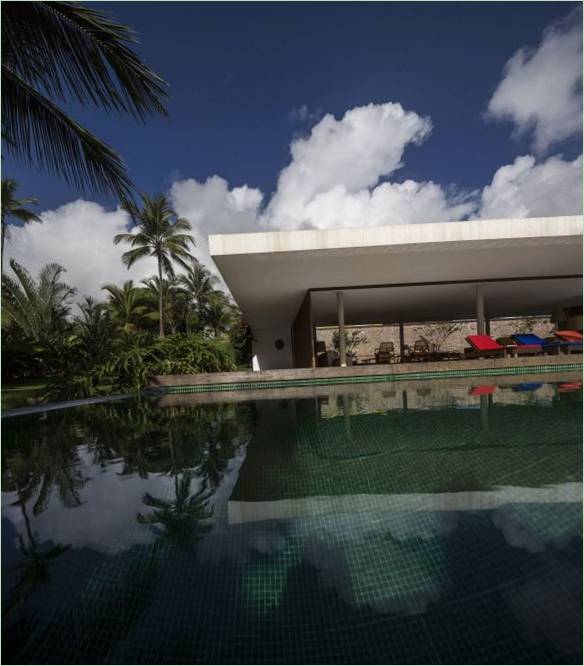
(322, 115)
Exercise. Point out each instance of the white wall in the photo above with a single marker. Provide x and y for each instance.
(265, 354)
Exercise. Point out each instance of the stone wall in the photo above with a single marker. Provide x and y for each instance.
(434, 333)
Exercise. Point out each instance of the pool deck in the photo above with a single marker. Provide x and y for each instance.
(231, 383)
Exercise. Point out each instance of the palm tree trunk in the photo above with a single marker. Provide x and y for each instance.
(160, 308)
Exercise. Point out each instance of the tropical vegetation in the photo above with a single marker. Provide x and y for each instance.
(175, 321)
(13, 208)
(115, 345)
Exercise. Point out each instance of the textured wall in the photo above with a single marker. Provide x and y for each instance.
(455, 342)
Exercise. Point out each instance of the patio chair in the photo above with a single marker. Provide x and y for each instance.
(385, 353)
(483, 346)
(547, 346)
(421, 350)
(570, 341)
(514, 348)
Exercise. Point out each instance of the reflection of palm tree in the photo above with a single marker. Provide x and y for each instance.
(34, 567)
(183, 517)
(42, 462)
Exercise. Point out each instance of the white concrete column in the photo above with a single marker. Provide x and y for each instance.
(401, 341)
(480, 310)
(341, 321)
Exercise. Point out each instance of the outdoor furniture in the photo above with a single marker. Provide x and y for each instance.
(483, 346)
(513, 348)
(547, 346)
(385, 353)
(366, 360)
(421, 350)
(570, 341)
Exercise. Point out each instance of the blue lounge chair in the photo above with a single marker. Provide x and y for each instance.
(548, 346)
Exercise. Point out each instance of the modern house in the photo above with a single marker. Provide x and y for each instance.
(289, 282)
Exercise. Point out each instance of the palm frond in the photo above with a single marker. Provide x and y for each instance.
(67, 47)
(45, 136)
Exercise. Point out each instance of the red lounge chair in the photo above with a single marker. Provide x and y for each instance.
(483, 346)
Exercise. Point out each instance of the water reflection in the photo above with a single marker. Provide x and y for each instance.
(323, 528)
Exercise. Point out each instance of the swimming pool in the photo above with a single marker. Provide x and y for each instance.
(391, 523)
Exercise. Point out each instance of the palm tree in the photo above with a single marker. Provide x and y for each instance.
(126, 305)
(38, 309)
(161, 234)
(16, 208)
(173, 297)
(219, 313)
(199, 284)
(55, 50)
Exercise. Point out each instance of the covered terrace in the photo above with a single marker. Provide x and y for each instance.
(288, 283)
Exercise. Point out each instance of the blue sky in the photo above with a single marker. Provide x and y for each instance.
(236, 72)
(247, 80)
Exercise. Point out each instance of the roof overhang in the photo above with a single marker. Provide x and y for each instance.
(418, 272)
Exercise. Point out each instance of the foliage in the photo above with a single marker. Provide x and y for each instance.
(241, 339)
(528, 324)
(58, 50)
(175, 302)
(352, 340)
(126, 306)
(437, 333)
(38, 309)
(35, 328)
(14, 208)
(160, 233)
(186, 354)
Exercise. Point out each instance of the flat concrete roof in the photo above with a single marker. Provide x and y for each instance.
(269, 273)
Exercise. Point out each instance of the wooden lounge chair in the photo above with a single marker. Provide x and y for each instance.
(385, 353)
(514, 348)
(483, 346)
(421, 350)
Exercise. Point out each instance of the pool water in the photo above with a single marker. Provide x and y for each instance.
(414, 523)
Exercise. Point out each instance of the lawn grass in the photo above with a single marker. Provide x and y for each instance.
(30, 392)
(23, 394)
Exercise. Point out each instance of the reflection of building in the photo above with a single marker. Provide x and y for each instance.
(411, 450)
(288, 283)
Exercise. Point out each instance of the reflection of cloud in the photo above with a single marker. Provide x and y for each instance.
(536, 527)
(394, 561)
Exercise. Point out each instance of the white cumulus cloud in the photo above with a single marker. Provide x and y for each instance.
(337, 177)
(528, 189)
(352, 153)
(213, 208)
(541, 89)
(79, 236)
